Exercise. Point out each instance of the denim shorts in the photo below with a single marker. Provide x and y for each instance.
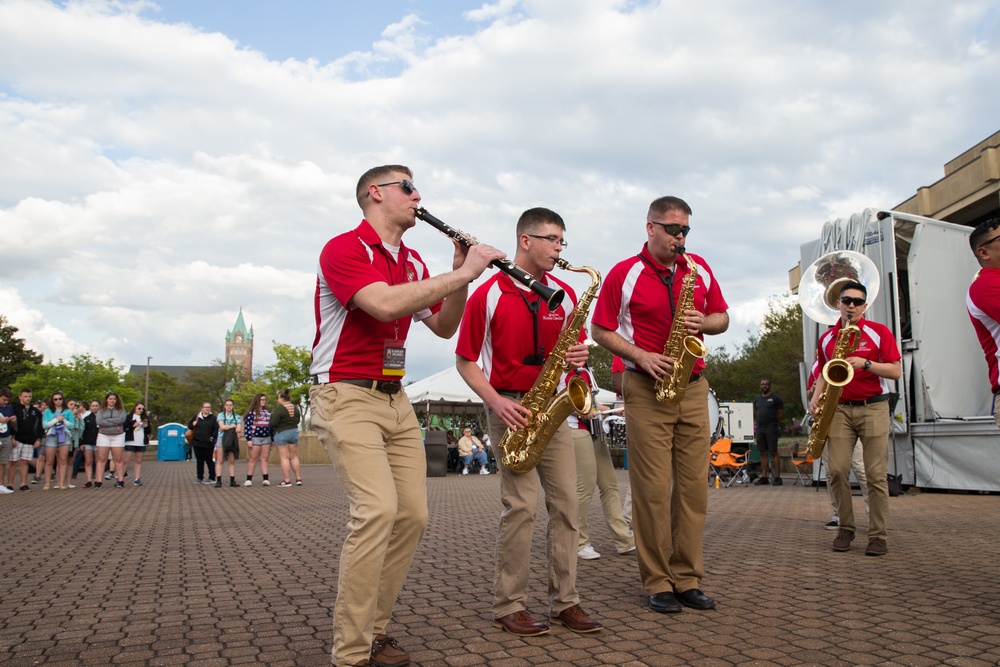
(289, 437)
(52, 443)
(260, 442)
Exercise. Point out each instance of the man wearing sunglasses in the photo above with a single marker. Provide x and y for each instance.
(669, 445)
(862, 415)
(983, 300)
(369, 287)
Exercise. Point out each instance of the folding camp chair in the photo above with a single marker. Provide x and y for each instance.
(723, 458)
(802, 461)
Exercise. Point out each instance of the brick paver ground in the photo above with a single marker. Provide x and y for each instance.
(178, 574)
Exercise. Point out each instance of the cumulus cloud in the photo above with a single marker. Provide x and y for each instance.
(157, 177)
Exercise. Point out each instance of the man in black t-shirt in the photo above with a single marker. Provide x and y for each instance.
(770, 410)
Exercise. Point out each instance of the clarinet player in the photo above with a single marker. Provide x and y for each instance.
(640, 300)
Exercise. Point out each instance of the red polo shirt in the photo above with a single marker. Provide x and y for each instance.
(633, 300)
(983, 303)
(498, 331)
(349, 342)
(877, 344)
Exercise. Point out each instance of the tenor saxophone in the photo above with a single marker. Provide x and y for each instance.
(837, 372)
(685, 350)
(523, 448)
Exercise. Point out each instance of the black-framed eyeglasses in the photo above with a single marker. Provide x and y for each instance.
(406, 186)
(551, 239)
(852, 301)
(672, 228)
(983, 245)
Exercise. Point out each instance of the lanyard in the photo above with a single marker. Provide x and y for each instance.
(667, 282)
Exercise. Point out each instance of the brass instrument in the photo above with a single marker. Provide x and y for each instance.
(819, 295)
(837, 372)
(685, 350)
(523, 448)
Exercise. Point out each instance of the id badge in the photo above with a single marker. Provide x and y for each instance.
(394, 358)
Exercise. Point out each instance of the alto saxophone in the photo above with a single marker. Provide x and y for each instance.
(685, 350)
(837, 372)
(523, 448)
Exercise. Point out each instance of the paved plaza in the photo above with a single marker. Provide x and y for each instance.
(174, 573)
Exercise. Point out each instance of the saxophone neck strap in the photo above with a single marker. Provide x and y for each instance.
(538, 358)
(668, 282)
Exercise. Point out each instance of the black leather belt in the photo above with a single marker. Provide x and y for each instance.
(384, 386)
(869, 401)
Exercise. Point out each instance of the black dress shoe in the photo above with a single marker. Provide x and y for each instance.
(665, 603)
(695, 599)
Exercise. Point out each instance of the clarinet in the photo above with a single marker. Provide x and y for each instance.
(551, 296)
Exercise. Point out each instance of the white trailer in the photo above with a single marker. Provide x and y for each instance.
(942, 433)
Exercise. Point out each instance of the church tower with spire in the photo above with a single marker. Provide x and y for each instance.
(239, 345)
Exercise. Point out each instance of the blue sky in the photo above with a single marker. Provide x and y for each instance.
(194, 159)
(324, 30)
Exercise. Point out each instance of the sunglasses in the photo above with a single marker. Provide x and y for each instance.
(852, 301)
(406, 186)
(673, 229)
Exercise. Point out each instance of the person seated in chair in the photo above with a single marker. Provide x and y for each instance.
(471, 449)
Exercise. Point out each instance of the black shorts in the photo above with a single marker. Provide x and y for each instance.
(767, 438)
(135, 448)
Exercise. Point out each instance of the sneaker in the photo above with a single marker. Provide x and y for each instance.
(832, 524)
(119, 484)
(777, 482)
(843, 540)
(298, 482)
(35, 480)
(232, 482)
(88, 485)
(761, 481)
(218, 482)
(25, 488)
(465, 471)
(484, 471)
(876, 547)
(285, 485)
(630, 550)
(71, 486)
(199, 481)
(4, 490)
(98, 485)
(137, 482)
(109, 476)
(249, 482)
(9, 487)
(588, 553)
(266, 482)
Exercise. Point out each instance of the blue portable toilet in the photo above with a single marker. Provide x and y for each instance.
(171, 445)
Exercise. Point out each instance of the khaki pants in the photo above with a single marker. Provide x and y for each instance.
(870, 425)
(996, 408)
(858, 467)
(594, 467)
(669, 447)
(374, 442)
(556, 472)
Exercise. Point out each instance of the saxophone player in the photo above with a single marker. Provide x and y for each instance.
(668, 444)
(862, 413)
(505, 334)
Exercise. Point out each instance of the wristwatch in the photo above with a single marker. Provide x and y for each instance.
(868, 364)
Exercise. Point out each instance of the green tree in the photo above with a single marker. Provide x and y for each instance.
(600, 366)
(15, 358)
(774, 353)
(82, 377)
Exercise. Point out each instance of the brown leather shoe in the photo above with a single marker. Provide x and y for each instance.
(876, 547)
(521, 623)
(577, 620)
(386, 652)
(843, 540)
